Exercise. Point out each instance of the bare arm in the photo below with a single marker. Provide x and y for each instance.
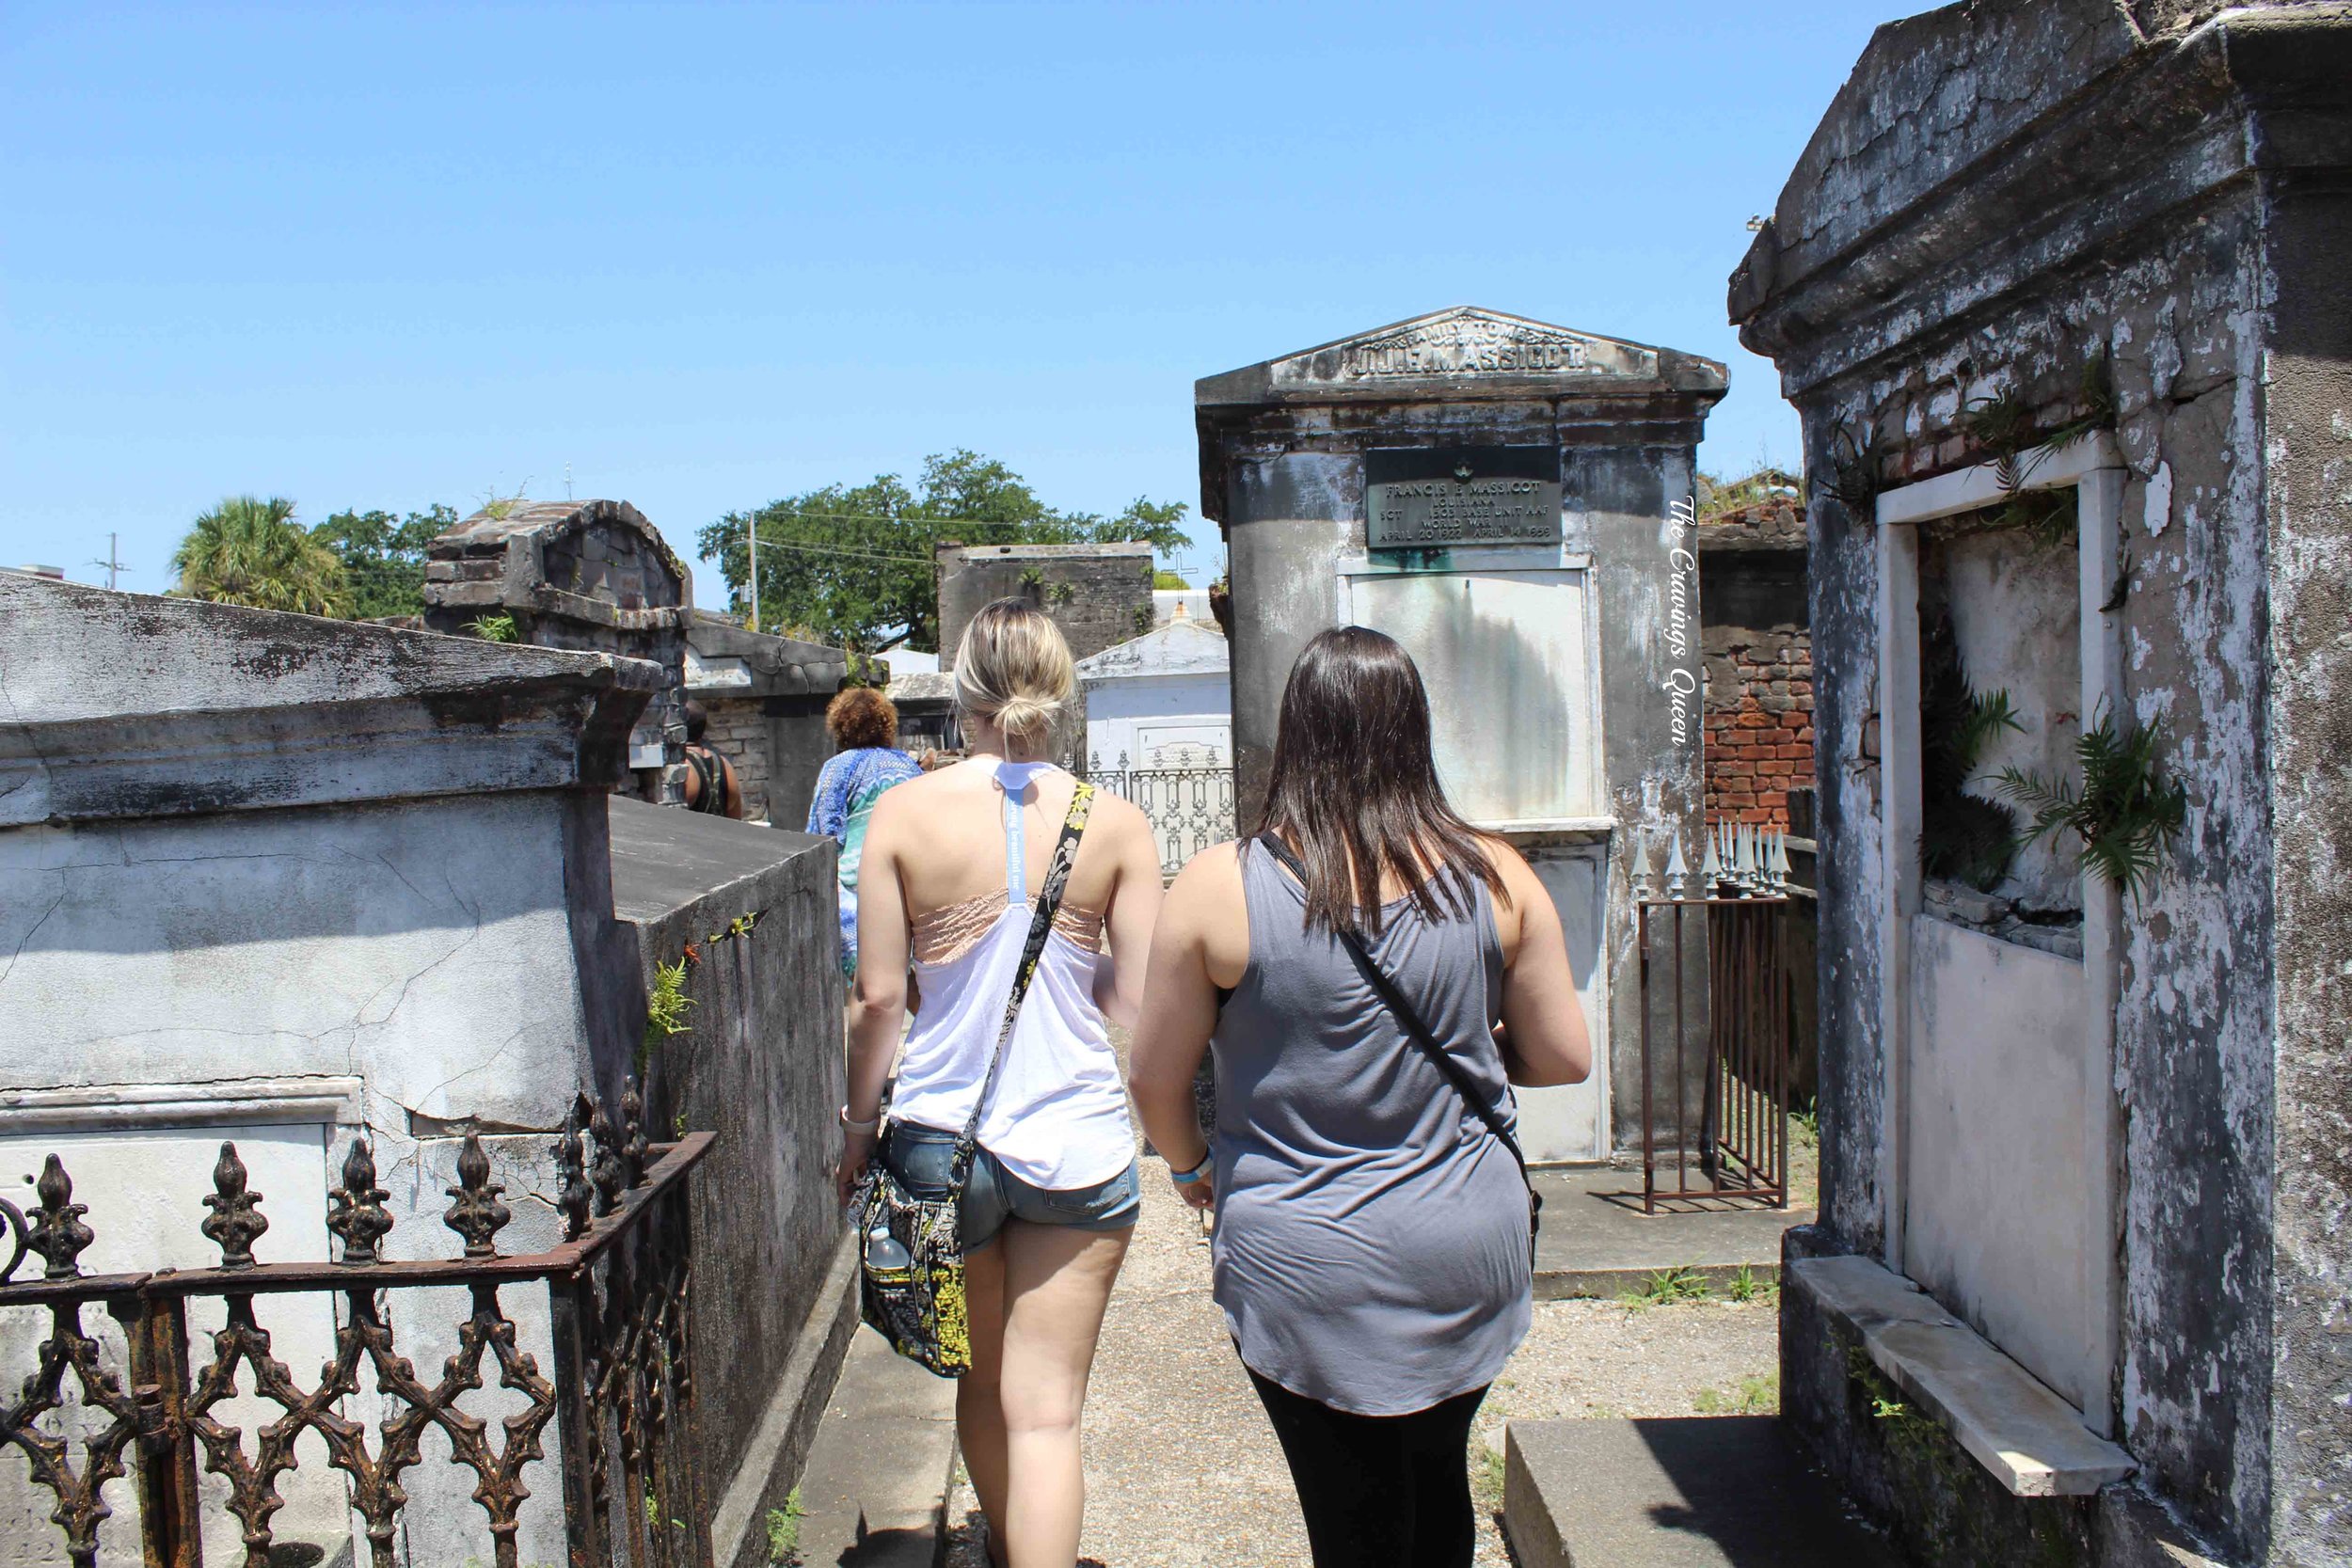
(1119, 976)
(1179, 1007)
(1543, 1038)
(878, 996)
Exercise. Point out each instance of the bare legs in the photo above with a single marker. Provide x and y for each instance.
(1036, 1301)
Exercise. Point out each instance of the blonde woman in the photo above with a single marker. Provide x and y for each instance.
(952, 861)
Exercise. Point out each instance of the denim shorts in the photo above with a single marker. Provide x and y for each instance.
(919, 1156)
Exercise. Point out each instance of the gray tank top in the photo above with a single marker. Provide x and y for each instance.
(1370, 1243)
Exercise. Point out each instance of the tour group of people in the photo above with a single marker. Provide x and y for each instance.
(1370, 974)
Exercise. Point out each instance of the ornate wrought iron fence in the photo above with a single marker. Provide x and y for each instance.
(1724, 1136)
(622, 1395)
(1190, 808)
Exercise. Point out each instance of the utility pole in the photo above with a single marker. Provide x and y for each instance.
(751, 539)
(114, 563)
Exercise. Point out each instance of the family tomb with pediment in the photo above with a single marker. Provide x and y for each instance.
(1513, 502)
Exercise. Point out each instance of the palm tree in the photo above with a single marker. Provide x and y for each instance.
(250, 551)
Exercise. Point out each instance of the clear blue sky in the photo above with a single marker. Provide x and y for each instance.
(709, 255)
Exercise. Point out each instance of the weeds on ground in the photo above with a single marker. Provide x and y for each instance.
(1485, 1475)
(1758, 1394)
(1747, 1286)
(783, 1529)
(1664, 1287)
(1808, 1121)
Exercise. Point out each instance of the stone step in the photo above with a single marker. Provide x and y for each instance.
(1684, 1491)
(876, 1486)
(1595, 1240)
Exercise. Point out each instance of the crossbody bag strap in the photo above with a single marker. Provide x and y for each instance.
(1041, 926)
(1419, 1032)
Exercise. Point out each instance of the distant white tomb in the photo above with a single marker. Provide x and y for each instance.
(1160, 701)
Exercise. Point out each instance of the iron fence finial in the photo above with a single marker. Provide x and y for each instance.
(359, 1219)
(635, 1146)
(475, 1211)
(237, 1221)
(56, 1231)
(608, 1177)
(573, 1194)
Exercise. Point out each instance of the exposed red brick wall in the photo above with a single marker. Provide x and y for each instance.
(1760, 722)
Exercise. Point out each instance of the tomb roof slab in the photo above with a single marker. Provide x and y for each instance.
(119, 704)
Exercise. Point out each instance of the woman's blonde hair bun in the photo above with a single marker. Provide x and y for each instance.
(1013, 668)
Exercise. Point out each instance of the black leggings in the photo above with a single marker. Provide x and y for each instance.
(1379, 1491)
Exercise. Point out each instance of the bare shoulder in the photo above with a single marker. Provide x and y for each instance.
(1521, 889)
(1210, 883)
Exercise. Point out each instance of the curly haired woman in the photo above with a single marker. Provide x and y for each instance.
(864, 724)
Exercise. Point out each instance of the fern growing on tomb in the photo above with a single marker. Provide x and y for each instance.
(2126, 813)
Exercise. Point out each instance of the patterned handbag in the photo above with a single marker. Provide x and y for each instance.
(920, 1307)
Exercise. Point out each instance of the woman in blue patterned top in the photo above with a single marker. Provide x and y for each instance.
(865, 728)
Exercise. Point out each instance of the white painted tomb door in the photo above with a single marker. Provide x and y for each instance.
(2003, 1128)
(1503, 636)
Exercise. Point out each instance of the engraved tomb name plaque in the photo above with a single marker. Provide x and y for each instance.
(1434, 498)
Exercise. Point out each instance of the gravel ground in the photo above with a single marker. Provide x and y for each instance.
(1182, 1471)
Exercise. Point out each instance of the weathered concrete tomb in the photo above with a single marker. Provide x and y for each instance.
(2060, 289)
(1513, 502)
(292, 883)
(589, 575)
(765, 699)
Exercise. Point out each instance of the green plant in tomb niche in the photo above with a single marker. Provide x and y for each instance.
(1033, 577)
(2126, 814)
(1061, 594)
(1962, 837)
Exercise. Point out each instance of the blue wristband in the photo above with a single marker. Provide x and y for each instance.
(1192, 1176)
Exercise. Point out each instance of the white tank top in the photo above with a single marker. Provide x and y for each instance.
(1057, 1116)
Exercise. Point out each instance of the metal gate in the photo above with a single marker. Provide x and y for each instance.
(1716, 1027)
(621, 1399)
(1190, 808)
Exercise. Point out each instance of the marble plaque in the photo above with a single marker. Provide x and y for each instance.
(1434, 498)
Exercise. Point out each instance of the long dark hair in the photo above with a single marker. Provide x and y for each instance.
(1354, 787)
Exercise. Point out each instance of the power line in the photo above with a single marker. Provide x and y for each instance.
(862, 555)
(886, 517)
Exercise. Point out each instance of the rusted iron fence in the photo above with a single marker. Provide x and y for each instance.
(1190, 808)
(621, 1398)
(1717, 1037)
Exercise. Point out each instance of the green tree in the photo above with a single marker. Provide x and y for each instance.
(383, 557)
(250, 551)
(852, 565)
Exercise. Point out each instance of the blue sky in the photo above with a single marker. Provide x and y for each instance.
(709, 255)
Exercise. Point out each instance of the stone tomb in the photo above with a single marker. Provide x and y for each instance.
(1512, 501)
(2058, 290)
(290, 881)
(593, 574)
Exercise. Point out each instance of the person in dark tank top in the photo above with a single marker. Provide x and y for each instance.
(1371, 1250)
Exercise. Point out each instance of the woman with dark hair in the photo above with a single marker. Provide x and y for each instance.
(866, 761)
(1373, 973)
